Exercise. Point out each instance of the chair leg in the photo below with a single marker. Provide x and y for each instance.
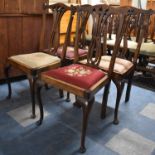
(68, 97)
(46, 87)
(6, 73)
(122, 87)
(127, 97)
(38, 90)
(77, 102)
(104, 101)
(86, 111)
(61, 94)
(32, 82)
(118, 98)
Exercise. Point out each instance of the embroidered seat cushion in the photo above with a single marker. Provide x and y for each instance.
(70, 52)
(121, 65)
(77, 75)
(35, 60)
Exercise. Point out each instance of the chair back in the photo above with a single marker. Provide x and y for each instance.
(102, 15)
(123, 18)
(57, 10)
(142, 20)
(136, 27)
(143, 31)
(81, 14)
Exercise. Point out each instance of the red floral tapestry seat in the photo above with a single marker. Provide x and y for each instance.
(77, 74)
(70, 52)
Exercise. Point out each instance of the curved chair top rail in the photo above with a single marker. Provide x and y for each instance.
(57, 6)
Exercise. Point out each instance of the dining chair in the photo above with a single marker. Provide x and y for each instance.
(125, 62)
(67, 51)
(85, 80)
(34, 63)
(147, 51)
(142, 44)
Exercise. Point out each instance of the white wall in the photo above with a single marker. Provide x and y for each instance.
(138, 3)
(84, 1)
(55, 1)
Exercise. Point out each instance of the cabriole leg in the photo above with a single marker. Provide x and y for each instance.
(127, 97)
(6, 72)
(32, 82)
(86, 111)
(104, 101)
(119, 93)
(38, 91)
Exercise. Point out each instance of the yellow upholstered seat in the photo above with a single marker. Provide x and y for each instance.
(111, 42)
(113, 37)
(35, 60)
(130, 44)
(147, 49)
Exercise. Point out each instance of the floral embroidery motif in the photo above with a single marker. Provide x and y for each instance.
(78, 71)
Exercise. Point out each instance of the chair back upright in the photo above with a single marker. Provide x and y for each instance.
(67, 41)
(153, 27)
(97, 46)
(112, 26)
(140, 29)
(57, 10)
(83, 14)
(132, 29)
(143, 31)
(150, 29)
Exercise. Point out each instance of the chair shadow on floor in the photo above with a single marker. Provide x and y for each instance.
(146, 81)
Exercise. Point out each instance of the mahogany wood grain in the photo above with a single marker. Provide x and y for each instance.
(30, 31)
(3, 44)
(12, 6)
(38, 4)
(14, 35)
(1, 5)
(27, 6)
(14, 39)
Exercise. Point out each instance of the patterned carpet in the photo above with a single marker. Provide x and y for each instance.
(60, 131)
